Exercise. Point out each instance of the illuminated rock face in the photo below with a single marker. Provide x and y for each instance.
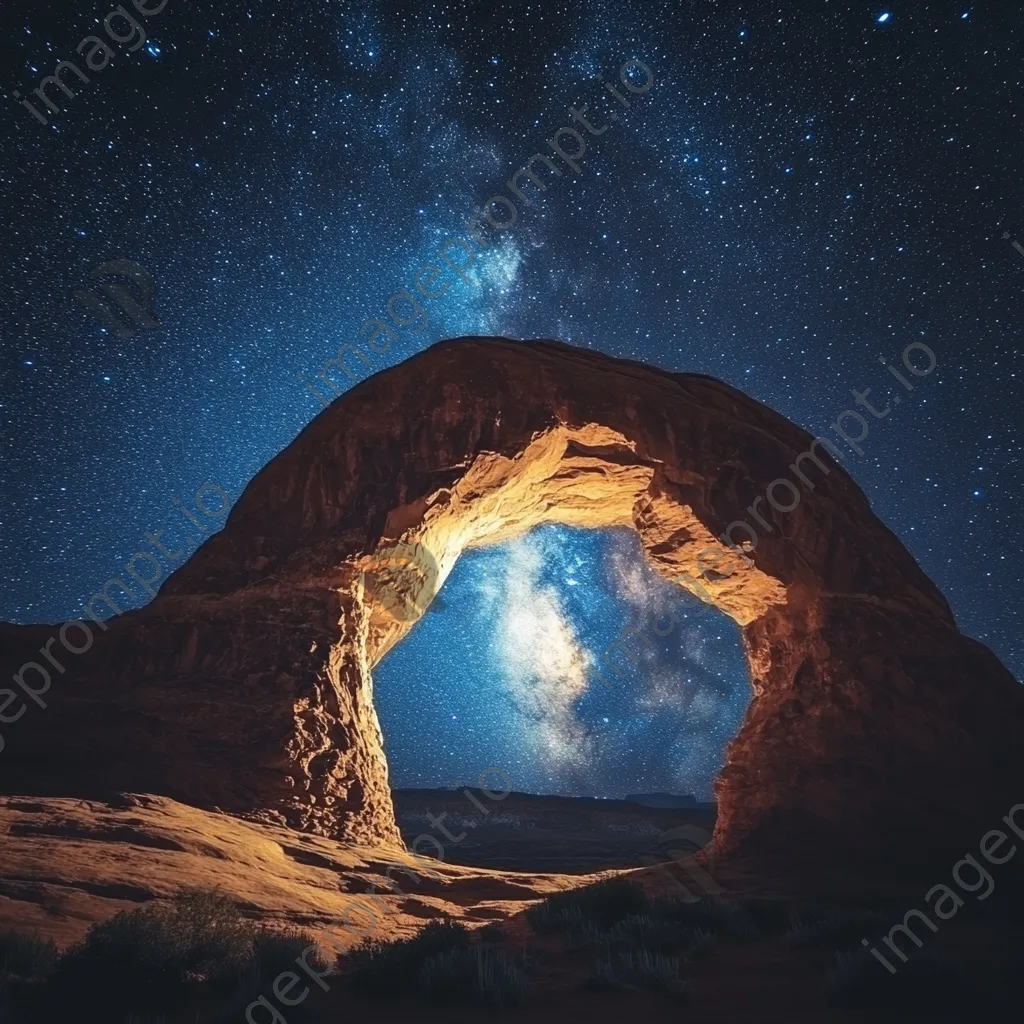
(876, 728)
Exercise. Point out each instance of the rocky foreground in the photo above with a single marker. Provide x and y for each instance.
(69, 863)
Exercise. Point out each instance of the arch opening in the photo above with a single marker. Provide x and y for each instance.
(563, 659)
(584, 478)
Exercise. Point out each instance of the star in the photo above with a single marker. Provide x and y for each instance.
(283, 180)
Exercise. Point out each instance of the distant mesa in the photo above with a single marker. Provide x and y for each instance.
(671, 801)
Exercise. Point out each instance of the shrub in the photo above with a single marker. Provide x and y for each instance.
(641, 969)
(493, 932)
(26, 957)
(602, 904)
(547, 919)
(649, 932)
(585, 935)
(148, 958)
(661, 935)
(272, 953)
(472, 975)
(851, 972)
(392, 968)
(712, 914)
(277, 951)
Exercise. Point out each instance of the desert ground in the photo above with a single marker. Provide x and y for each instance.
(759, 956)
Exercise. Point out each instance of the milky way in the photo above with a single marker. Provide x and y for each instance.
(803, 190)
(509, 674)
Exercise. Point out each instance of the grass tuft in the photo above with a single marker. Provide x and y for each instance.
(713, 914)
(771, 916)
(493, 932)
(830, 927)
(475, 975)
(700, 944)
(645, 931)
(26, 957)
(277, 951)
(602, 905)
(641, 969)
(392, 968)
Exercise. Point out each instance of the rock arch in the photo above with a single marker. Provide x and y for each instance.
(876, 727)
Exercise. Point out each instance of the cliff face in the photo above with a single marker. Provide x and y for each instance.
(246, 684)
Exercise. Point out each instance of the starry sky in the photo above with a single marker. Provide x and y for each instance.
(534, 621)
(805, 188)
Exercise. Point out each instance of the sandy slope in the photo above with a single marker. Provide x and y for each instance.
(67, 863)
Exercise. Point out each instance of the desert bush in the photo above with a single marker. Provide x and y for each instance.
(646, 931)
(641, 969)
(713, 914)
(643, 930)
(25, 956)
(546, 919)
(584, 935)
(493, 932)
(149, 958)
(602, 904)
(277, 951)
(472, 974)
(392, 968)
(272, 953)
(142, 964)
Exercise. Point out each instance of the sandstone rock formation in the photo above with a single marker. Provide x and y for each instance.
(68, 864)
(877, 734)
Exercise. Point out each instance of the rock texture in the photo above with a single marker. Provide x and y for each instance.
(878, 734)
(68, 864)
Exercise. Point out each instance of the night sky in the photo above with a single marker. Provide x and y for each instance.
(532, 621)
(804, 188)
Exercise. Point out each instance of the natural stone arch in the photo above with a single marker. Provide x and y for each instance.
(588, 476)
(247, 684)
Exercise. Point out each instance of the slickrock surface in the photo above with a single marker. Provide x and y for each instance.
(69, 863)
(878, 734)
